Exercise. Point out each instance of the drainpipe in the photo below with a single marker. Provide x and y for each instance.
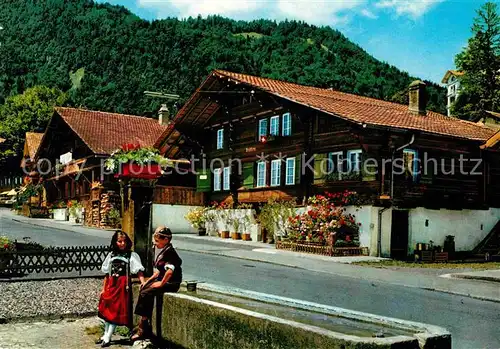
(392, 163)
(379, 235)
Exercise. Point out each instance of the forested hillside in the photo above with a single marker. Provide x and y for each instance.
(106, 57)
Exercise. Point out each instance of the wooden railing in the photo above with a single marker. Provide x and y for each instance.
(323, 250)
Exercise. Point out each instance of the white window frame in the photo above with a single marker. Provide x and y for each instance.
(276, 127)
(217, 179)
(276, 173)
(261, 179)
(358, 152)
(261, 122)
(226, 178)
(288, 130)
(414, 168)
(337, 168)
(290, 171)
(220, 138)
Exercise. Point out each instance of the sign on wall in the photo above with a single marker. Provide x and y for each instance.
(66, 158)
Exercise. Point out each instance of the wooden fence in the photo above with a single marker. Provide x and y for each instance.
(324, 250)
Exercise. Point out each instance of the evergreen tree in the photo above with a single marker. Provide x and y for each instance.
(480, 63)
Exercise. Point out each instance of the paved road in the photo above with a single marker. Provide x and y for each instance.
(46, 236)
(474, 324)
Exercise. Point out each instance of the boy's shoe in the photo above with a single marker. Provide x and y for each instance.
(99, 341)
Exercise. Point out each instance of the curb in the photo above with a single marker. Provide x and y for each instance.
(473, 277)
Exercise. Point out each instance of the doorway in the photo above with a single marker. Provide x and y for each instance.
(399, 235)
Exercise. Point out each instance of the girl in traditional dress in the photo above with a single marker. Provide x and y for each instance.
(115, 304)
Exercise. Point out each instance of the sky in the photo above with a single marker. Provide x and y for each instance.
(421, 37)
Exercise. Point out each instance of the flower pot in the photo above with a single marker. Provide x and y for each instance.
(246, 237)
(236, 236)
(224, 234)
(202, 231)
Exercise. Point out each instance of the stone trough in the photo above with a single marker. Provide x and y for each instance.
(222, 317)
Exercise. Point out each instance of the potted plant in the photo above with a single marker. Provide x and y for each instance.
(6, 245)
(235, 222)
(60, 211)
(245, 223)
(75, 211)
(198, 218)
(223, 214)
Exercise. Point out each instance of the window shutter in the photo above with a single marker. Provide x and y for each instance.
(368, 171)
(248, 176)
(204, 181)
(319, 176)
(298, 168)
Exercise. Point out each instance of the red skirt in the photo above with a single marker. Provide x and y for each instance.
(115, 301)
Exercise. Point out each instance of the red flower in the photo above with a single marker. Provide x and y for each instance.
(6, 246)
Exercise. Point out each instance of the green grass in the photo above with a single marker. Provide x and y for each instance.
(98, 330)
(451, 265)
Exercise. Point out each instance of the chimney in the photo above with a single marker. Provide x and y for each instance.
(418, 99)
(164, 115)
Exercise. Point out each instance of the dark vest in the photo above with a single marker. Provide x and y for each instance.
(169, 256)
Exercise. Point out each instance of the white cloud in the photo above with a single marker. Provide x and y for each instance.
(369, 14)
(329, 12)
(412, 8)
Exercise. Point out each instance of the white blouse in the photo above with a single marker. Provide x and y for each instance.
(135, 263)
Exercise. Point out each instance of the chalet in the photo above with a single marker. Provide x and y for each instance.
(420, 175)
(72, 153)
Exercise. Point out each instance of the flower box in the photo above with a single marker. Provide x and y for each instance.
(146, 171)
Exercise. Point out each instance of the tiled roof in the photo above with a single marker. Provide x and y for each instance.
(364, 110)
(105, 132)
(33, 140)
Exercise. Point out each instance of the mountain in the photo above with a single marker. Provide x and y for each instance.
(107, 57)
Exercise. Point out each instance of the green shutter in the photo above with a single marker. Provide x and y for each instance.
(298, 168)
(368, 169)
(319, 176)
(248, 177)
(204, 181)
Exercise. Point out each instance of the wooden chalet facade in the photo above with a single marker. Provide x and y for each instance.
(72, 155)
(291, 141)
(236, 116)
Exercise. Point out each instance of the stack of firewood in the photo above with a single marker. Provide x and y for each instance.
(95, 213)
(109, 201)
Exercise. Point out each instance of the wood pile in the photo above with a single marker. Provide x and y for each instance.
(109, 200)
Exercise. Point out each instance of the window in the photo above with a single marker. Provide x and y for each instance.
(262, 128)
(220, 138)
(227, 175)
(354, 160)
(290, 171)
(287, 124)
(275, 172)
(217, 179)
(410, 158)
(275, 126)
(335, 164)
(261, 174)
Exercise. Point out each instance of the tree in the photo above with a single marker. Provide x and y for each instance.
(28, 112)
(480, 63)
